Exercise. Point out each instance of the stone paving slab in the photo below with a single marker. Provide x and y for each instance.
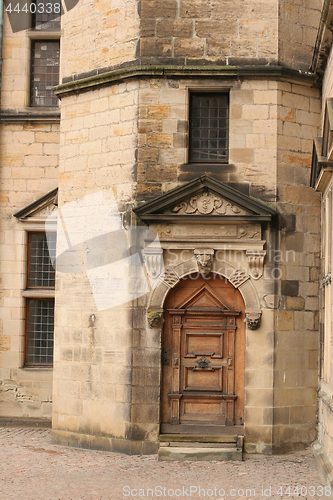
(32, 468)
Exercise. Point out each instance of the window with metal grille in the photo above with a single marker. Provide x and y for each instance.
(209, 128)
(39, 335)
(46, 15)
(40, 311)
(44, 72)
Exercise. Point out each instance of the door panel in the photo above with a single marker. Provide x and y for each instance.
(203, 377)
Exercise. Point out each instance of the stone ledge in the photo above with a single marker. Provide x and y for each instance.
(85, 82)
(12, 116)
(25, 422)
(104, 443)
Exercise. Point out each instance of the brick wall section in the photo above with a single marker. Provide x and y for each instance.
(296, 357)
(192, 30)
(298, 25)
(29, 169)
(99, 34)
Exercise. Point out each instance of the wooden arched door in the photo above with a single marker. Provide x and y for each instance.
(203, 351)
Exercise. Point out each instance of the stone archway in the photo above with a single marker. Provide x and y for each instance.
(237, 276)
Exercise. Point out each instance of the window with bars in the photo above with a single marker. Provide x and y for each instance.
(40, 311)
(44, 72)
(209, 127)
(46, 15)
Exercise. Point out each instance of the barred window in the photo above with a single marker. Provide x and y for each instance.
(41, 250)
(40, 328)
(44, 72)
(209, 128)
(40, 311)
(46, 15)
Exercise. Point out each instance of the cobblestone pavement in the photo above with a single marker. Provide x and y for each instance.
(32, 468)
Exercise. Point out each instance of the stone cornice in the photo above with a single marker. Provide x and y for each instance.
(324, 39)
(94, 80)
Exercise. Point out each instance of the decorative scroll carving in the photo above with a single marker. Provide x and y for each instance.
(256, 262)
(164, 231)
(238, 277)
(204, 259)
(253, 320)
(326, 280)
(155, 319)
(208, 203)
(250, 231)
(153, 261)
(169, 277)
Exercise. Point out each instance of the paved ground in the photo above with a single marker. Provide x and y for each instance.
(32, 468)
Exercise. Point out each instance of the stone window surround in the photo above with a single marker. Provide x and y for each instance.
(35, 225)
(37, 293)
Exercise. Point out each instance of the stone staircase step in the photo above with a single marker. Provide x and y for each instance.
(197, 438)
(170, 453)
(196, 447)
(199, 445)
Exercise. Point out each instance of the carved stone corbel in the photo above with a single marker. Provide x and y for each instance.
(255, 259)
(155, 319)
(204, 258)
(253, 319)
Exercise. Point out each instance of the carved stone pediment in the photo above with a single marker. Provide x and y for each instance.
(204, 199)
(39, 209)
(207, 203)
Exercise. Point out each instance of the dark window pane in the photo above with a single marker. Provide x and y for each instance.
(40, 328)
(209, 120)
(47, 15)
(44, 72)
(41, 273)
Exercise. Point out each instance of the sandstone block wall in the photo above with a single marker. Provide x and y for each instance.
(297, 322)
(298, 26)
(15, 68)
(98, 35)
(189, 31)
(29, 157)
(29, 169)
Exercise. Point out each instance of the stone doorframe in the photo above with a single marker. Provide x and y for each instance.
(238, 277)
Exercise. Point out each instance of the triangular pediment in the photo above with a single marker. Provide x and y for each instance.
(204, 297)
(39, 209)
(205, 198)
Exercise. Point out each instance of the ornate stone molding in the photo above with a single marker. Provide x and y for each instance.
(255, 259)
(253, 319)
(153, 261)
(169, 277)
(238, 277)
(155, 319)
(207, 203)
(204, 258)
(326, 280)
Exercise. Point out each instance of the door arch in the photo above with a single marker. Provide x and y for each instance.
(203, 354)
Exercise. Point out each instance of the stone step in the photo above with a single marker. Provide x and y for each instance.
(197, 444)
(170, 453)
(195, 438)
